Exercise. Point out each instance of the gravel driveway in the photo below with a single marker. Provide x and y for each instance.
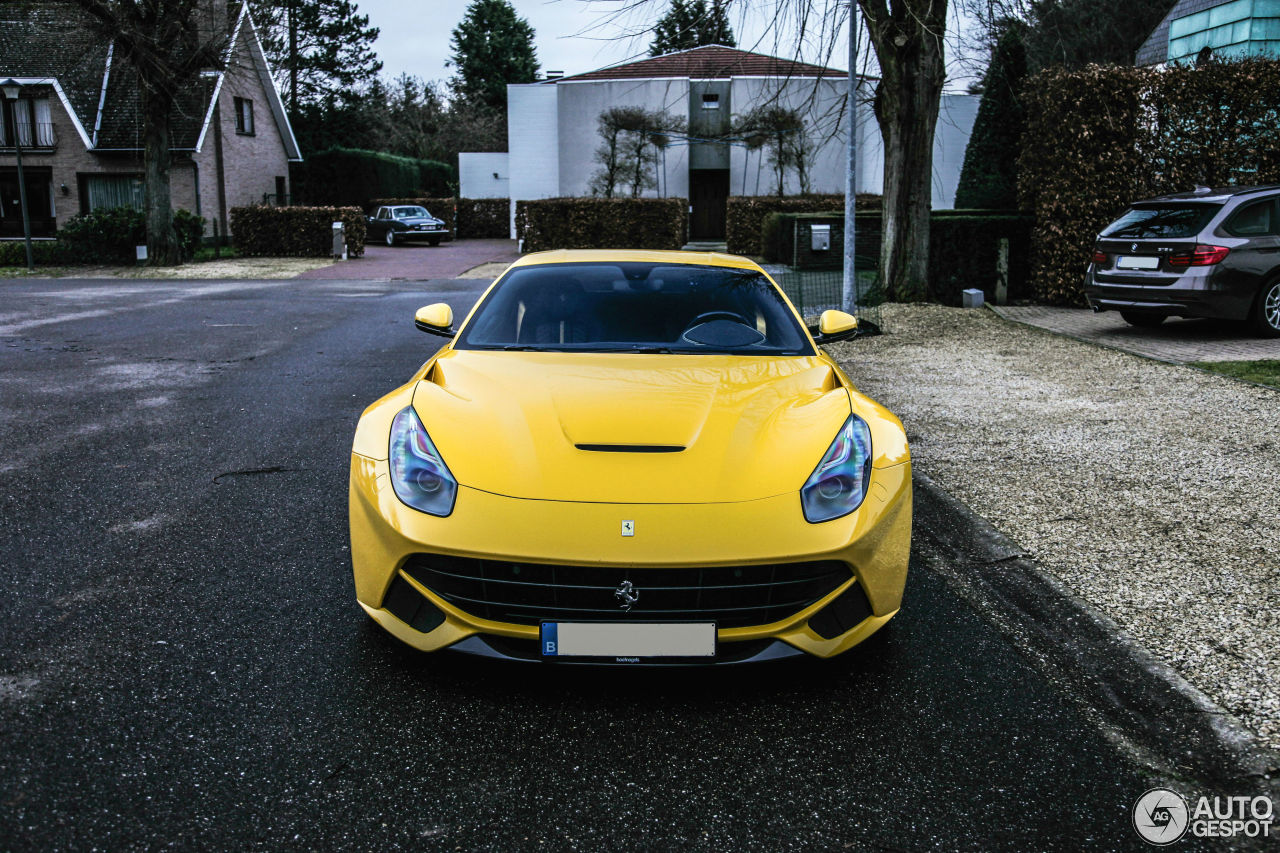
(1152, 490)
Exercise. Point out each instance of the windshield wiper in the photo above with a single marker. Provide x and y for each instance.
(643, 349)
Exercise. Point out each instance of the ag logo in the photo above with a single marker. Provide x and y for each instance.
(1160, 816)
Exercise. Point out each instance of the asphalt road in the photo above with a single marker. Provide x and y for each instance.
(182, 661)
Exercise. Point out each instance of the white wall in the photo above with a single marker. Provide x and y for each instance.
(533, 144)
(580, 106)
(955, 124)
(484, 175)
(822, 101)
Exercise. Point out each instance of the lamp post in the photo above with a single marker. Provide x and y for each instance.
(11, 88)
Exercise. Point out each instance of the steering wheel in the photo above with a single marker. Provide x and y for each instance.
(708, 316)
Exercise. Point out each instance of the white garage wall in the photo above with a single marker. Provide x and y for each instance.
(484, 175)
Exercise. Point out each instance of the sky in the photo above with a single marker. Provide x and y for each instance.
(572, 36)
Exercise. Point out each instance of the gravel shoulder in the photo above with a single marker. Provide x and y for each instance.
(1149, 489)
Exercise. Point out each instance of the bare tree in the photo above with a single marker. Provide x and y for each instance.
(633, 139)
(167, 49)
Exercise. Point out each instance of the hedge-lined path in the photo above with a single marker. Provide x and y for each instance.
(1176, 340)
(417, 262)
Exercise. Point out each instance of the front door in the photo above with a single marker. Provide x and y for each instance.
(709, 196)
(38, 205)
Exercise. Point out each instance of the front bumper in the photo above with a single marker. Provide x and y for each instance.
(874, 542)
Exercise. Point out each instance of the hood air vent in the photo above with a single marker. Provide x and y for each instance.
(631, 448)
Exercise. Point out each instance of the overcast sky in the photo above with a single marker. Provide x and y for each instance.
(571, 35)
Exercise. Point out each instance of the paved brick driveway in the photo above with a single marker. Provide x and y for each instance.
(1176, 341)
(417, 262)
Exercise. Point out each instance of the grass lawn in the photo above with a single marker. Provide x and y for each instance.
(1265, 371)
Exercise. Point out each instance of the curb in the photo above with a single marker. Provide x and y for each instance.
(1141, 704)
(1187, 364)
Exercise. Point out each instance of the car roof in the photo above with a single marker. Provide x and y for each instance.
(1215, 194)
(580, 256)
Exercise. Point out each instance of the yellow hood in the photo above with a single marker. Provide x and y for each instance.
(512, 423)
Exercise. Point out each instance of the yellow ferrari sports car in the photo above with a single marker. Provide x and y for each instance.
(631, 458)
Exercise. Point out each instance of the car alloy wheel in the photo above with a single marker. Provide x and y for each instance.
(391, 237)
(1267, 312)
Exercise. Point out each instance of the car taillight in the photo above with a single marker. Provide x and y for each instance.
(1200, 256)
(1099, 257)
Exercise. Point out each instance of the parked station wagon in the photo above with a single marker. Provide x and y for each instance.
(1206, 253)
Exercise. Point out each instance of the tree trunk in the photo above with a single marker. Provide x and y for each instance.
(162, 241)
(908, 45)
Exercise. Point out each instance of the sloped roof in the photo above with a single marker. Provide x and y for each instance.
(39, 40)
(707, 63)
(1156, 48)
(56, 43)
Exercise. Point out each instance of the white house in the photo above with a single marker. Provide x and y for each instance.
(552, 132)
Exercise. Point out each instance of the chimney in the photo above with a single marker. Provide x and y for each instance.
(553, 75)
(212, 26)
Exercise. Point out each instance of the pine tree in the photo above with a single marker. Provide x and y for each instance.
(492, 47)
(320, 50)
(688, 24)
(989, 178)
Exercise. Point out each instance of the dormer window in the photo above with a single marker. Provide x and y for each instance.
(711, 102)
(29, 121)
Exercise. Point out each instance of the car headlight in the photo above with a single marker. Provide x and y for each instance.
(839, 483)
(418, 474)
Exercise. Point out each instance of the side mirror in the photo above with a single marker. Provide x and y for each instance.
(834, 326)
(435, 319)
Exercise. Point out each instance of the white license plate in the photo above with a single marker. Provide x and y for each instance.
(1133, 262)
(629, 639)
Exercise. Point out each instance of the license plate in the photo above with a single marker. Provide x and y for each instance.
(1132, 262)
(628, 639)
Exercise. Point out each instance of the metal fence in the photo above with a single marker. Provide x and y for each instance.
(815, 291)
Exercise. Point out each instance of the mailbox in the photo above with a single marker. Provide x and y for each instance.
(339, 241)
(820, 238)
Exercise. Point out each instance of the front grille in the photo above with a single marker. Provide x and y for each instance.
(528, 593)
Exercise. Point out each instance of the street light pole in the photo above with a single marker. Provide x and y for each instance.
(850, 294)
(11, 88)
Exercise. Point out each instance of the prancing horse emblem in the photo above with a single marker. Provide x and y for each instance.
(627, 595)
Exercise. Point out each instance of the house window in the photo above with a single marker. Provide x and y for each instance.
(711, 102)
(112, 191)
(29, 121)
(244, 116)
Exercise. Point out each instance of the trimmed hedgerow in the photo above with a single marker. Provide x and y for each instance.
(295, 232)
(1103, 136)
(602, 223)
(351, 176)
(111, 235)
(13, 253)
(464, 217)
(745, 215)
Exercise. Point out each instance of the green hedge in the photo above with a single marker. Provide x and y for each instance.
(294, 232)
(602, 223)
(963, 248)
(351, 176)
(746, 215)
(112, 235)
(467, 218)
(1101, 137)
(13, 253)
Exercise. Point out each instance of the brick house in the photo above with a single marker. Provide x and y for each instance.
(79, 123)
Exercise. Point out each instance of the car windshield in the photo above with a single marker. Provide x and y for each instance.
(1162, 220)
(409, 212)
(635, 307)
